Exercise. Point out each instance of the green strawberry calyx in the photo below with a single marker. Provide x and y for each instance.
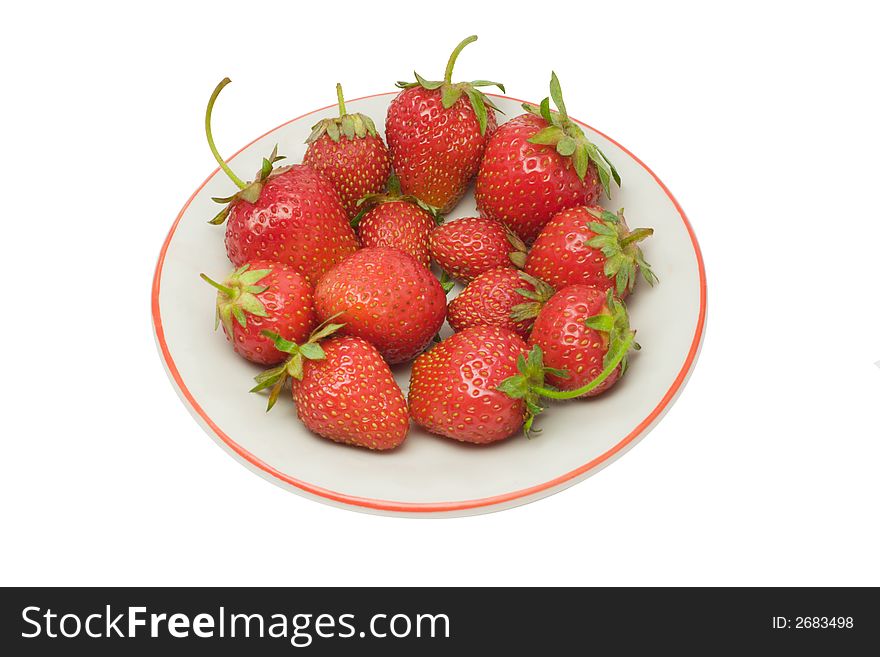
(293, 367)
(247, 191)
(619, 245)
(518, 254)
(446, 282)
(392, 194)
(345, 125)
(569, 140)
(237, 297)
(451, 91)
(613, 322)
(529, 384)
(537, 297)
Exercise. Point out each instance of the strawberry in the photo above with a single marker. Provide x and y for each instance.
(437, 132)
(578, 331)
(349, 152)
(465, 248)
(537, 165)
(290, 215)
(342, 388)
(452, 390)
(263, 295)
(386, 297)
(482, 384)
(592, 246)
(587, 339)
(396, 220)
(500, 297)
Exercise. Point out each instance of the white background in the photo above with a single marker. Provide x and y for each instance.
(762, 119)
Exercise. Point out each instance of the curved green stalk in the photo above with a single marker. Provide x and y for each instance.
(636, 236)
(341, 100)
(238, 181)
(595, 383)
(447, 77)
(228, 291)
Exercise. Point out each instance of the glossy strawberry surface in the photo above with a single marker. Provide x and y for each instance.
(298, 220)
(562, 255)
(386, 297)
(350, 397)
(398, 224)
(355, 166)
(523, 185)
(568, 343)
(465, 248)
(289, 308)
(489, 301)
(435, 151)
(453, 386)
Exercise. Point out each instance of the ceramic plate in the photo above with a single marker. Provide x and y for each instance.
(428, 475)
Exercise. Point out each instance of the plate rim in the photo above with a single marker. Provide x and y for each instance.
(380, 505)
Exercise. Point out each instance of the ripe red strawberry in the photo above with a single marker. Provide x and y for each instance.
(349, 152)
(398, 221)
(453, 386)
(587, 339)
(386, 297)
(580, 330)
(263, 295)
(465, 248)
(503, 297)
(343, 389)
(437, 132)
(538, 164)
(290, 215)
(592, 246)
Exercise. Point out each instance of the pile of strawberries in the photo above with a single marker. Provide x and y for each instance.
(333, 281)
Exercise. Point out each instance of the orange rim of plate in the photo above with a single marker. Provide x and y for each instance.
(430, 507)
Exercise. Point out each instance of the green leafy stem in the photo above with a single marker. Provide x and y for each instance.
(293, 367)
(569, 140)
(529, 384)
(450, 92)
(247, 191)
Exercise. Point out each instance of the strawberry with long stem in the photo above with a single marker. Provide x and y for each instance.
(607, 338)
(437, 131)
(247, 191)
(291, 215)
